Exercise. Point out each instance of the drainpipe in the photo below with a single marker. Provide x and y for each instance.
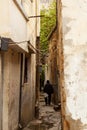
(37, 67)
(20, 92)
(37, 80)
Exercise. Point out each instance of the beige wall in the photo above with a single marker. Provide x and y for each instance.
(74, 27)
(14, 90)
(11, 84)
(28, 93)
(15, 24)
(26, 110)
(4, 22)
(38, 18)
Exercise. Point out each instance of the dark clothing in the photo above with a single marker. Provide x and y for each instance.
(49, 90)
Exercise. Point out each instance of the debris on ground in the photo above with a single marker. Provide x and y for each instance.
(49, 117)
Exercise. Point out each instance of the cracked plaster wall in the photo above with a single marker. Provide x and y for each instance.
(74, 25)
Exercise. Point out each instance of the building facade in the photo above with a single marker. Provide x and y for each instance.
(72, 52)
(18, 36)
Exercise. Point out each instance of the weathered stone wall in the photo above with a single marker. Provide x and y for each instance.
(52, 63)
(60, 61)
(33, 83)
(11, 84)
(28, 93)
(26, 110)
(74, 88)
(13, 89)
(52, 57)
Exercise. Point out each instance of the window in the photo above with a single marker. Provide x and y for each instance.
(24, 69)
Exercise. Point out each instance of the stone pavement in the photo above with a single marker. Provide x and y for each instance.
(49, 119)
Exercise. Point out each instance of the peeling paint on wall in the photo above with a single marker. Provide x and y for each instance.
(74, 23)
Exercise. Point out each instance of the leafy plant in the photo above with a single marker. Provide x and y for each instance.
(47, 23)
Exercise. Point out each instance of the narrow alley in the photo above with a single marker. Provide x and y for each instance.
(43, 43)
(49, 119)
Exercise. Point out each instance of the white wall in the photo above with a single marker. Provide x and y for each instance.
(15, 26)
(38, 18)
(18, 25)
(11, 86)
(4, 18)
(74, 17)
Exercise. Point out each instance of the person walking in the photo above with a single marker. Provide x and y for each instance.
(48, 90)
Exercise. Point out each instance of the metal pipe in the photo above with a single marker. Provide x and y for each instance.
(20, 93)
(36, 16)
